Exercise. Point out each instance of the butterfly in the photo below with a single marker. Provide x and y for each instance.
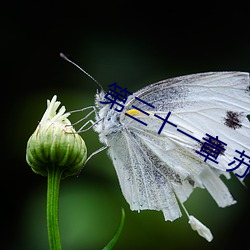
(205, 118)
(156, 171)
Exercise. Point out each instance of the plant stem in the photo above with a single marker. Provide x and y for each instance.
(54, 177)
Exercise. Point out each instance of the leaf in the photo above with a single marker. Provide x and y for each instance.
(117, 234)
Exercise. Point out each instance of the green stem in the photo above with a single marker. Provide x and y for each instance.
(54, 177)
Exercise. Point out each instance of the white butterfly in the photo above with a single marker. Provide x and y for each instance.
(158, 171)
(155, 170)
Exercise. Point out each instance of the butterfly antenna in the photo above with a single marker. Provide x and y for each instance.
(68, 60)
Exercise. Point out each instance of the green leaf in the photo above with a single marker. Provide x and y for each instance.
(248, 117)
(117, 234)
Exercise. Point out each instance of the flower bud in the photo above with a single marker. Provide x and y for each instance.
(55, 144)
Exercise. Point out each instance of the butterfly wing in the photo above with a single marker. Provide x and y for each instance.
(210, 103)
(143, 186)
(155, 168)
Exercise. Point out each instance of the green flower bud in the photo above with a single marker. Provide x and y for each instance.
(55, 144)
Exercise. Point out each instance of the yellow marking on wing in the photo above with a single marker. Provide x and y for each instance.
(134, 112)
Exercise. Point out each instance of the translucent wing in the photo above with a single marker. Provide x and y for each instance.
(155, 168)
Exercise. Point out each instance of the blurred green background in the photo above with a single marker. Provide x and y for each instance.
(134, 45)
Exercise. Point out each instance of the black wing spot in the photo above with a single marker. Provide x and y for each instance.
(248, 117)
(248, 89)
(233, 119)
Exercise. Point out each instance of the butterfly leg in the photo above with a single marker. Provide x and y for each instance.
(81, 129)
(92, 154)
(96, 152)
(86, 116)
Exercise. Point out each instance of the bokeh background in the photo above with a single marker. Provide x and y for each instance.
(131, 43)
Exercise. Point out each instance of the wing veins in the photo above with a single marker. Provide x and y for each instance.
(144, 184)
(153, 167)
(130, 153)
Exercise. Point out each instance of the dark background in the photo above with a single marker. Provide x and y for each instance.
(133, 44)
